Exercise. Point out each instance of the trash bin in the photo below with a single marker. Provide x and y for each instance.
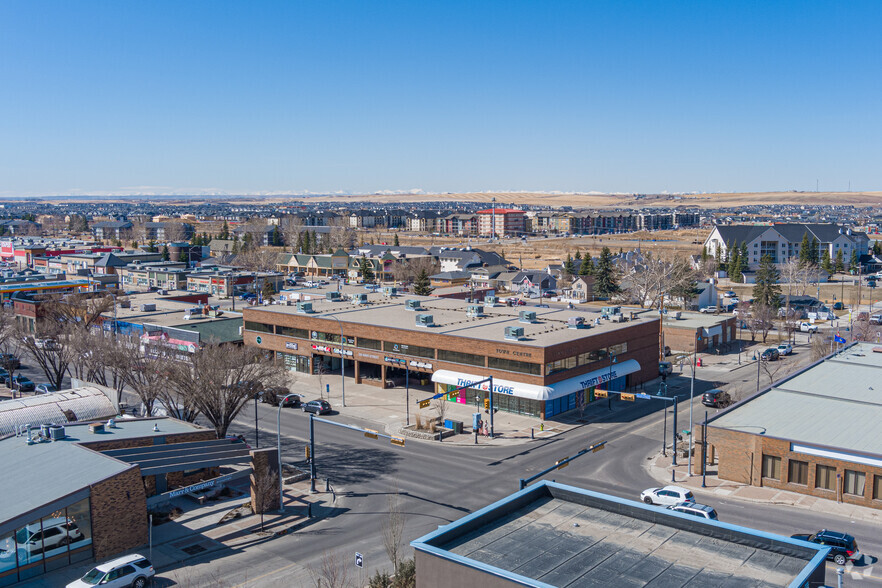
(456, 426)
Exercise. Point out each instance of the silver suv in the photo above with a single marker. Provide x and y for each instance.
(697, 510)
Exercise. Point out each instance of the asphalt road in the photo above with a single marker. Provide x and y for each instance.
(439, 483)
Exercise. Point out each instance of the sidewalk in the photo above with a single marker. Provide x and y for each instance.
(199, 531)
(661, 469)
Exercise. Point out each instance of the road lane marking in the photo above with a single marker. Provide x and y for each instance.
(265, 575)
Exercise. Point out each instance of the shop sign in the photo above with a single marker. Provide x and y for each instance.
(465, 383)
(420, 364)
(388, 359)
(290, 345)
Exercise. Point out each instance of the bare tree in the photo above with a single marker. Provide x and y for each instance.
(144, 372)
(407, 270)
(258, 259)
(440, 406)
(393, 531)
(221, 379)
(175, 232)
(98, 355)
(292, 230)
(820, 349)
(761, 320)
(264, 491)
(340, 235)
(331, 572)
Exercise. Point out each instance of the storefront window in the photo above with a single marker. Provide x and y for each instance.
(409, 349)
(511, 365)
(370, 343)
(8, 575)
(292, 332)
(460, 357)
(57, 534)
(80, 516)
(259, 327)
(29, 547)
(295, 363)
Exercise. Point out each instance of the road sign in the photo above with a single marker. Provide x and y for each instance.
(561, 465)
(397, 441)
(425, 403)
(598, 447)
(643, 396)
(359, 560)
(628, 397)
(600, 393)
(370, 433)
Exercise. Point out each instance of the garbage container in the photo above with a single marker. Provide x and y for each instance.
(456, 426)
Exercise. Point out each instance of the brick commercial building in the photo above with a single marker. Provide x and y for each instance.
(555, 535)
(693, 331)
(543, 361)
(498, 222)
(80, 491)
(817, 432)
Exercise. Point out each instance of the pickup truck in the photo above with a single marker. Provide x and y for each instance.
(808, 328)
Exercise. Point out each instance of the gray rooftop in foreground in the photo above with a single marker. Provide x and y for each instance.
(130, 428)
(837, 403)
(450, 318)
(558, 535)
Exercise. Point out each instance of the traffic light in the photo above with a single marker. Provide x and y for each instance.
(307, 453)
(487, 403)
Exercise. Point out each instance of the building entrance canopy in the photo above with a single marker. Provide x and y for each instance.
(534, 392)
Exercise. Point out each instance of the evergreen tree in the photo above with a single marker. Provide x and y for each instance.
(151, 247)
(718, 256)
(587, 266)
(276, 238)
(300, 248)
(853, 262)
(766, 291)
(225, 232)
(704, 255)
(307, 246)
(839, 263)
(134, 244)
(315, 247)
(422, 287)
(816, 253)
(605, 280)
(183, 256)
(734, 265)
(194, 240)
(118, 243)
(395, 240)
(165, 254)
(728, 254)
(826, 262)
(743, 264)
(246, 241)
(569, 268)
(805, 251)
(578, 255)
(235, 249)
(205, 239)
(877, 247)
(367, 271)
(268, 290)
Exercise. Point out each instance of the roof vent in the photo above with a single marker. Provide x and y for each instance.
(96, 428)
(148, 307)
(490, 300)
(475, 310)
(514, 333)
(527, 316)
(359, 298)
(412, 304)
(304, 307)
(332, 296)
(425, 320)
(576, 322)
(390, 291)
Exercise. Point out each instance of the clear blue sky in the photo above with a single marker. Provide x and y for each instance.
(324, 96)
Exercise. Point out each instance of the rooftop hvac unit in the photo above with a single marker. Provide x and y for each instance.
(617, 318)
(490, 300)
(359, 299)
(148, 307)
(56, 432)
(425, 320)
(390, 291)
(304, 307)
(412, 304)
(608, 311)
(514, 333)
(527, 316)
(332, 296)
(475, 310)
(576, 322)
(96, 427)
(677, 315)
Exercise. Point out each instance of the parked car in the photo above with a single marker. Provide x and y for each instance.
(248, 296)
(785, 349)
(317, 407)
(549, 294)
(697, 510)
(20, 383)
(9, 361)
(45, 389)
(276, 394)
(876, 319)
(730, 294)
(542, 306)
(669, 495)
(716, 398)
(708, 309)
(837, 306)
(843, 547)
(45, 344)
(130, 570)
(770, 354)
(808, 328)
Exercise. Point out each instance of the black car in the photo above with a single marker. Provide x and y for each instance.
(716, 399)
(317, 407)
(843, 547)
(275, 395)
(770, 354)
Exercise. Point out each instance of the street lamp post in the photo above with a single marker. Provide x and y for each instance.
(407, 394)
(612, 360)
(279, 449)
(691, 404)
(342, 361)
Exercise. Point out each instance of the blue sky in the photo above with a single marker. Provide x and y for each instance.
(324, 96)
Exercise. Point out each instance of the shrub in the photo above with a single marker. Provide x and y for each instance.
(380, 580)
(405, 577)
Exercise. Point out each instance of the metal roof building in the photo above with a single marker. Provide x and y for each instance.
(816, 432)
(78, 404)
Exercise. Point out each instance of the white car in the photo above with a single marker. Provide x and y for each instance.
(808, 328)
(708, 309)
(785, 349)
(667, 496)
(130, 570)
(697, 510)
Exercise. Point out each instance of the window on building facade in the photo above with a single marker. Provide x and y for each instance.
(798, 472)
(825, 477)
(292, 332)
(853, 482)
(409, 349)
(512, 365)
(877, 487)
(772, 467)
(370, 343)
(460, 357)
(259, 327)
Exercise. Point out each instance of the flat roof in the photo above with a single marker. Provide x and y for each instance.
(449, 315)
(556, 535)
(694, 320)
(129, 429)
(835, 403)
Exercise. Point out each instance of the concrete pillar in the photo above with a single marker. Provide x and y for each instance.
(266, 459)
(357, 372)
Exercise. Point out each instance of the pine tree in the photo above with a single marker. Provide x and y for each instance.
(268, 290)
(728, 254)
(367, 271)
(766, 291)
(568, 268)
(734, 265)
(183, 256)
(315, 247)
(805, 251)
(877, 247)
(300, 245)
(276, 238)
(704, 255)
(165, 254)
(578, 255)
(151, 247)
(839, 262)
(307, 245)
(205, 239)
(826, 262)
(422, 285)
(816, 253)
(718, 255)
(225, 232)
(743, 264)
(605, 280)
(134, 244)
(853, 262)
(395, 240)
(587, 266)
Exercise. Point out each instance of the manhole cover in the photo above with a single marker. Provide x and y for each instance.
(193, 549)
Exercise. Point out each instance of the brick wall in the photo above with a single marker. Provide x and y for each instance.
(119, 514)
(266, 459)
(103, 444)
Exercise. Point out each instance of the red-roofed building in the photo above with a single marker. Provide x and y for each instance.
(508, 221)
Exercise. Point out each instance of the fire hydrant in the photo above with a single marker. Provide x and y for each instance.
(698, 362)
(541, 426)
